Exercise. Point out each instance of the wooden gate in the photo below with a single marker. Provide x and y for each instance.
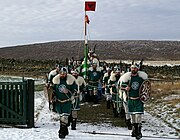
(17, 103)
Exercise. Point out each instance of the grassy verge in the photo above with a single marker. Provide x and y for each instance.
(165, 99)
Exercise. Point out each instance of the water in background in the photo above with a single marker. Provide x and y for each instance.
(7, 78)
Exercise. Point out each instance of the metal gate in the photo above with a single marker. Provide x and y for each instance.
(17, 103)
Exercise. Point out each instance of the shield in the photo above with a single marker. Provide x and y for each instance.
(144, 91)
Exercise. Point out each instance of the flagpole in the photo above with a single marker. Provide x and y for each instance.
(89, 6)
(85, 26)
(85, 47)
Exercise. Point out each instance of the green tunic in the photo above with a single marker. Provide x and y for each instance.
(135, 105)
(94, 77)
(63, 103)
(114, 90)
(113, 85)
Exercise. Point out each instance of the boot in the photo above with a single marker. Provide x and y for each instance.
(133, 134)
(69, 120)
(139, 134)
(66, 131)
(95, 99)
(122, 113)
(108, 104)
(73, 126)
(54, 107)
(115, 112)
(62, 131)
(128, 123)
(136, 131)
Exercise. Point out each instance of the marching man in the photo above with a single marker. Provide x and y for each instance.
(51, 95)
(135, 81)
(94, 78)
(124, 97)
(107, 90)
(65, 87)
(113, 86)
(78, 97)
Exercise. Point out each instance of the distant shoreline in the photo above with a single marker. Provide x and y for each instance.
(148, 62)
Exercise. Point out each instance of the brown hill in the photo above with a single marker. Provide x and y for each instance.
(116, 50)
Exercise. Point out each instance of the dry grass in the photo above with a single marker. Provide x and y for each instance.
(164, 101)
(166, 85)
(173, 102)
(163, 89)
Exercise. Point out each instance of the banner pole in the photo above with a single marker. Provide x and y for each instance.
(85, 48)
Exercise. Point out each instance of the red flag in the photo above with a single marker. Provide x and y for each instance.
(87, 19)
(90, 6)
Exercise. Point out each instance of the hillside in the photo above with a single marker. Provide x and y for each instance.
(116, 50)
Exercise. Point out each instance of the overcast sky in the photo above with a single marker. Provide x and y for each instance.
(34, 21)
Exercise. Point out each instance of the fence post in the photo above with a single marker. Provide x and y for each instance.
(30, 103)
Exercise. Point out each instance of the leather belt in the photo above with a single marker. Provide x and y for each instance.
(133, 98)
(63, 101)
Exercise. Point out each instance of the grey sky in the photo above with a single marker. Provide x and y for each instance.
(32, 21)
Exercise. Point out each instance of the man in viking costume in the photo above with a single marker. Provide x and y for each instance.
(65, 87)
(105, 85)
(124, 97)
(94, 59)
(113, 86)
(51, 95)
(78, 97)
(134, 81)
(94, 78)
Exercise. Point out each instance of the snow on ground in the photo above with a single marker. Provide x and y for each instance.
(47, 126)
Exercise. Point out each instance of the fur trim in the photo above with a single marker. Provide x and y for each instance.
(101, 68)
(95, 60)
(112, 72)
(87, 62)
(106, 75)
(56, 79)
(53, 72)
(113, 77)
(97, 69)
(70, 79)
(143, 75)
(90, 69)
(127, 76)
(80, 81)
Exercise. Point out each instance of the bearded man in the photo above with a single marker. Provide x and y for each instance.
(134, 80)
(65, 87)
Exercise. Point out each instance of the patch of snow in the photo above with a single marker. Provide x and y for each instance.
(172, 97)
(8, 78)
